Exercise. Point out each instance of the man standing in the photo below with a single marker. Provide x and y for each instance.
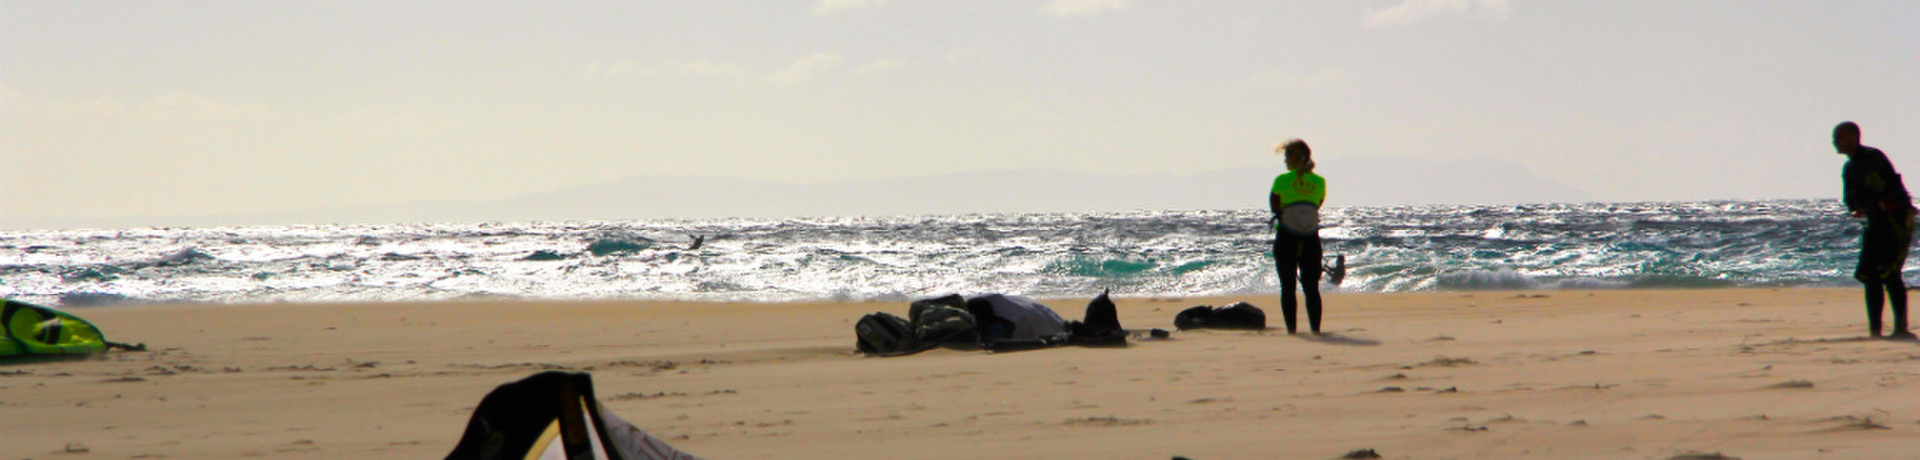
(1875, 192)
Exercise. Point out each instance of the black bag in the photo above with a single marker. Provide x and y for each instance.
(1194, 317)
(882, 333)
(1237, 316)
(1240, 315)
(1100, 326)
(1102, 315)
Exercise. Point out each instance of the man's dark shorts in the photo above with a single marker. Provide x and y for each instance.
(1884, 247)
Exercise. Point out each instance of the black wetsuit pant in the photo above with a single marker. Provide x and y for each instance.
(1297, 258)
(1883, 253)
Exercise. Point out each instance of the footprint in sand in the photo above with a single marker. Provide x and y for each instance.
(1444, 361)
(1849, 423)
(1362, 454)
(1105, 421)
(1702, 456)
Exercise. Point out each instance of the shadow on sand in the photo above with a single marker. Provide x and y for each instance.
(1334, 338)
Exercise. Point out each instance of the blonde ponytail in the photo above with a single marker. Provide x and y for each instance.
(1299, 157)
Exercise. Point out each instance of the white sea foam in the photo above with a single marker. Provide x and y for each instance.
(1143, 253)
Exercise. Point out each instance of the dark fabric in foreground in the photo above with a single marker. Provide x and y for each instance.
(554, 414)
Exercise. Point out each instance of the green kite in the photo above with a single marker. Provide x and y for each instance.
(32, 331)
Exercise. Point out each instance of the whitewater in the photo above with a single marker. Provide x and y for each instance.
(1780, 243)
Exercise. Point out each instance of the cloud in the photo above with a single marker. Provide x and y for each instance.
(1410, 12)
(182, 104)
(379, 118)
(102, 106)
(1067, 8)
(967, 56)
(800, 70)
(877, 67)
(172, 107)
(1283, 78)
(611, 69)
(706, 68)
(805, 68)
(828, 7)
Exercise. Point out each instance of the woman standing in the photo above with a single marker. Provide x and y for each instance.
(1295, 201)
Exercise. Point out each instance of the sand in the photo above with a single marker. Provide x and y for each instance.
(1746, 373)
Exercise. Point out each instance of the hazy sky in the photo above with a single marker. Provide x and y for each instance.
(127, 108)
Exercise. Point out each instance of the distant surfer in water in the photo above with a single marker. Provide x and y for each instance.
(1295, 201)
(1874, 191)
(698, 240)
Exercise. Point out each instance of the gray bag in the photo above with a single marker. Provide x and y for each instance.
(1301, 219)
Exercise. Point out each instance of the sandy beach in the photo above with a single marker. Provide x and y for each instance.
(1634, 374)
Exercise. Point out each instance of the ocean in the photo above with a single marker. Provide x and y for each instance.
(1779, 243)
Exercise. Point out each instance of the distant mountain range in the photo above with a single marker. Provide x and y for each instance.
(1351, 182)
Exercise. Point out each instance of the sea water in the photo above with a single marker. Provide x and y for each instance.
(1147, 253)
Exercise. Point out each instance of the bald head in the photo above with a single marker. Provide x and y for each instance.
(1846, 137)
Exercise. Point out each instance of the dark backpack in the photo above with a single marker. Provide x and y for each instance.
(1102, 315)
(938, 323)
(1100, 326)
(882, 333)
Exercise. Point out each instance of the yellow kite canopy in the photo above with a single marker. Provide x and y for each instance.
(33, 331)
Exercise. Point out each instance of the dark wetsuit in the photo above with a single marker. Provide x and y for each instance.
(1874, 189)
(1296, 256)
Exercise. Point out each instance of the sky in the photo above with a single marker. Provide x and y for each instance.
(125, 109)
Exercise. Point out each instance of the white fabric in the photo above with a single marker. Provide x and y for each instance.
(634, 444)
(1031, 319)
(551, 447)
